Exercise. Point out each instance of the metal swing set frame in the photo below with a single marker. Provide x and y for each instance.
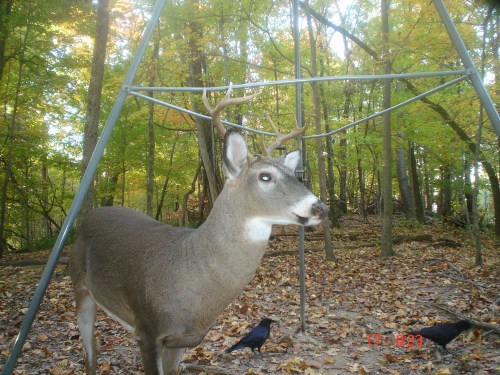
(469, 72)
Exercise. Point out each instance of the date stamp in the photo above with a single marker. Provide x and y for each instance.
(409, 341)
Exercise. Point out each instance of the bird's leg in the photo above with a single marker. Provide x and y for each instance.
(438, 353)
(447, 351)
(444, 348)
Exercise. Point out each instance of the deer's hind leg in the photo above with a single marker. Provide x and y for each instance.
(86, 314)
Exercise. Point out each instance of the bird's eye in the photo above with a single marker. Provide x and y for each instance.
(266, 177)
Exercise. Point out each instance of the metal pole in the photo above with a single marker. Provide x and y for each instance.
(82, 191)
(475, 78)
(192, 113)
(367, 77)
(393, 108)
(333, 132)
(298, 115)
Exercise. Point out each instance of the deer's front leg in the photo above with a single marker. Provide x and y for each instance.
(170, 360)
(149, 353)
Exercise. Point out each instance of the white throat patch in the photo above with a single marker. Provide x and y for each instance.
(258, 229)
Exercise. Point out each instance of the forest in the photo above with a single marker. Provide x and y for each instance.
(57, 89)
(433, 164)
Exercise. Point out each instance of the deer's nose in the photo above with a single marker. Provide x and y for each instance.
(319, 209)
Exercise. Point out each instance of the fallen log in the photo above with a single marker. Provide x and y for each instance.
(32, 262)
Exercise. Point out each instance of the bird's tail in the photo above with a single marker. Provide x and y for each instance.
(233, 348)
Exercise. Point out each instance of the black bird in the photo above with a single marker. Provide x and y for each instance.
(442, 334)
(255, 338)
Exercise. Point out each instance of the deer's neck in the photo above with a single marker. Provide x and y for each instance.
(232, 240)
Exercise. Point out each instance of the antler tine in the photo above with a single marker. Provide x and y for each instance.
(215, 115)
(280, 139)
(224, 103)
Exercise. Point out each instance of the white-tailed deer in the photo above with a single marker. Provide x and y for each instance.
(168, 285)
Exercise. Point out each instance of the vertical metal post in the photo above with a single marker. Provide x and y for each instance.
(82, 191)
(298, 115)
(475, 78)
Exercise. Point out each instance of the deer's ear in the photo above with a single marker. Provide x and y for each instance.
(235, 153)
(292, 160)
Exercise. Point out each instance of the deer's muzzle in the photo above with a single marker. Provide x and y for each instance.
(319, 209)
(317, 213)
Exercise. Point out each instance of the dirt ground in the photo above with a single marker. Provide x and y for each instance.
(356, 306)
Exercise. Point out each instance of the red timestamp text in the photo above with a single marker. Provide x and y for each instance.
(401, 340)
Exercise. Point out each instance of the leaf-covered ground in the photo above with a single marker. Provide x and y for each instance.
(357, 295)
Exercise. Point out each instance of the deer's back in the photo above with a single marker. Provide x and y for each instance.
(120, 237)
(120, 254)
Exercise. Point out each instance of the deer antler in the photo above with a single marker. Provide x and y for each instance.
(228, 101)
(224, 103)
(283, 138)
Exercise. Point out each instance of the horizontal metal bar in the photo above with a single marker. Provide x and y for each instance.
(305, 80)
(393, 108)
(192, 113)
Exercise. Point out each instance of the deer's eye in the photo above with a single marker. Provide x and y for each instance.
(265, 177)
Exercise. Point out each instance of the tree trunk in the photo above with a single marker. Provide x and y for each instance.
(415, 183)
(429, 198)
(151, 133)
(44, 201)
(124, 177)
(26, 240)
(7, 165)
(165, 184)
(386, 240)
(330, 176)
(476, 230)
(94, 95)
(468, 189)
(108, 198)
(184, 222)
(206, 132)
(444, 208)
(13, 128)
(348, 92)
(343, 173)
(404, 187)
(361, 183)
(319, 144)
(5, 10)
